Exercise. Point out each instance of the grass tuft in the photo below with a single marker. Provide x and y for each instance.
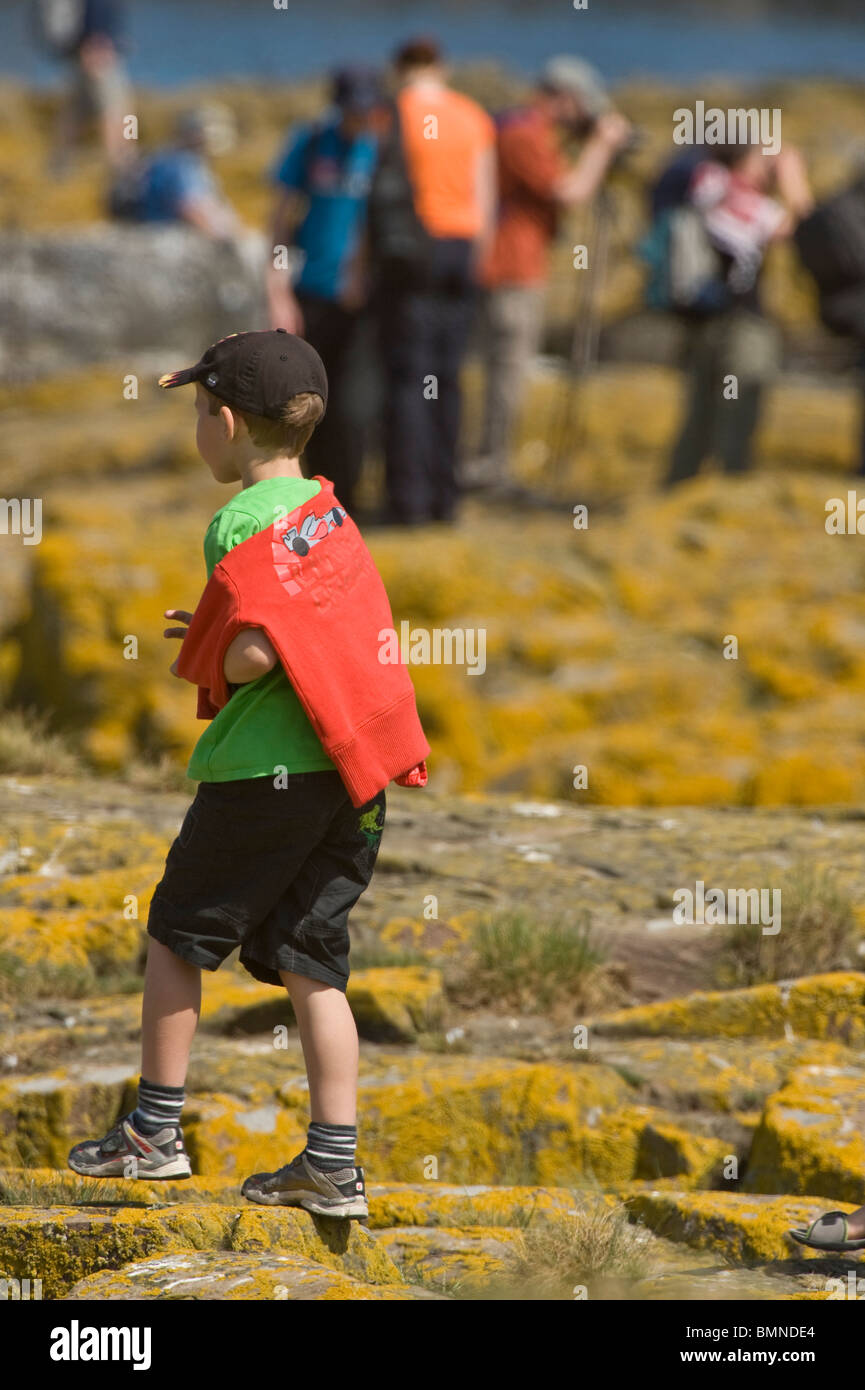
(28, 745)
(818, 934)
(517, 961)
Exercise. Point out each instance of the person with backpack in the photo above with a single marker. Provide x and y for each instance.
(831, 246)
(176, 183)
(323, 179)
(432, 213)
(536, 183)
(706, 250)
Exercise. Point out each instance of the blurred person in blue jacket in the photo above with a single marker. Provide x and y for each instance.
(176, 184)
(316, 283)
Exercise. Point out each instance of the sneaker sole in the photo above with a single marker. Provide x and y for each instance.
(177, 1168)
(321, 1207)
(317, 1206)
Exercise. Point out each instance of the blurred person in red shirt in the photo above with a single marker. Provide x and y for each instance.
(536, 182)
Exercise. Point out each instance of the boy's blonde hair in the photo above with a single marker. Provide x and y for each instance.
(288, 435)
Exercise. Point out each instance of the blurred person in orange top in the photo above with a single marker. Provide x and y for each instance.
(442, 152)
(536, 182)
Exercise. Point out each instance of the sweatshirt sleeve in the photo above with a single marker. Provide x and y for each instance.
(215, 624)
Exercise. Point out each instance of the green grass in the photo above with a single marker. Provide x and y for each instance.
(20, 982)
(16, 1190)
(159, 774)
(28, 746)
(374, 954)
(520, 962)
(818, 933)
(594, 1246)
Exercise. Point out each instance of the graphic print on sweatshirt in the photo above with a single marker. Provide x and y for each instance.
(298, 540)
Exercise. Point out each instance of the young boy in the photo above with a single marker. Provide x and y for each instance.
(281, 838)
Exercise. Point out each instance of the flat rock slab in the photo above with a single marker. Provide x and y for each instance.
(440, 1204)
(720, 1285)
(720, 1074)
(390, 1004)
(811, 1137)
(231, 1276)
(828, 1006)
(739, 1228)
(449, 1259)
(62, 1245)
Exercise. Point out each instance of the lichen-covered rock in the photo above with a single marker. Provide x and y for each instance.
(438, 1204)
(660, 720)
(820, 1006)
(341, 1244)
(735, 1226)
(390, 1004)
(230, 1276)
(395, 1004)
(448, 1259)
(478, 1120)
(511, 1123)
(811, 1136)
(227, 1139)
(669, 1150)
(62, 1245)
(39, 1114)
(725, 1075)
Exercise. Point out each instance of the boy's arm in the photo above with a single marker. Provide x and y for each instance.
(249, 656)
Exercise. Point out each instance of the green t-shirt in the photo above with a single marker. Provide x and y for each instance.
(263, 726)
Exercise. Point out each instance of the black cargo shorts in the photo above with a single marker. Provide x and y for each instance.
(273, 869)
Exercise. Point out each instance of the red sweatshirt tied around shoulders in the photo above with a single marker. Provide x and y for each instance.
(310, 583)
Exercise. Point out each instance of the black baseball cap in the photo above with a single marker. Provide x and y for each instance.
(257, 372)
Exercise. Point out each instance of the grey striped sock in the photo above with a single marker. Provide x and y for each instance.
(331, 1146)
(158, 1106)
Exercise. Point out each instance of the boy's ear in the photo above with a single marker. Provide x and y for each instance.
(230, 424)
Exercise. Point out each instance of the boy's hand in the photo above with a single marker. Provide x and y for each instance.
(176, 631)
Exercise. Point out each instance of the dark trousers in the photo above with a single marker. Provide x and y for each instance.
(424, 332)
(344, 341)
(739, 343)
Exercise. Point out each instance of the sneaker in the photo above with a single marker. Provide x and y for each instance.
(301, 1184)
(125, 1153)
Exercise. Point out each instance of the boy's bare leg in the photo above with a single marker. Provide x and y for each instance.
(328, 1036)
(169, 1015)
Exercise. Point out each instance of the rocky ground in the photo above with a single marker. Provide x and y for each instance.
(689, 1125)
(618, 1104)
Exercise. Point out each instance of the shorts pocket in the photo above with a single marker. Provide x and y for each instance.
(200, 836)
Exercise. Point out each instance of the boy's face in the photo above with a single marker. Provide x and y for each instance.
(215, 436)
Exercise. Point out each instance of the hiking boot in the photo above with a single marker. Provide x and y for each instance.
(124, 1153)
(301, 1184)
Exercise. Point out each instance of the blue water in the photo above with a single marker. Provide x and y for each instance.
(179, 41)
